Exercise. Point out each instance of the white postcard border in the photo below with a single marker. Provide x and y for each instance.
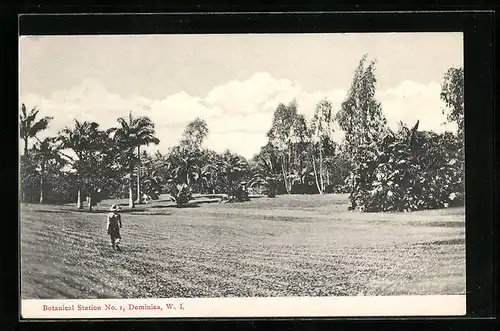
(360, 306)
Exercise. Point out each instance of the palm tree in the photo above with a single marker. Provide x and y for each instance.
(45, 153)
(231, 169)
(29, 127)
(81, 139)
(187, 169)
(132, 133)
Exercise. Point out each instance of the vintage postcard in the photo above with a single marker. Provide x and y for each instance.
(242, 175)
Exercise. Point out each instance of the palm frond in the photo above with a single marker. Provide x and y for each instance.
(41, 125)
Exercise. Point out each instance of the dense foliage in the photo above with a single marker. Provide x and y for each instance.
(382, 170)
(408, 170)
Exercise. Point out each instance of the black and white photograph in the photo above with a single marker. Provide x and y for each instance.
(166, 169)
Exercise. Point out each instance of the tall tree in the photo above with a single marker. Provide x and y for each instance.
(300, 141)
(282, 135)
(133, 133)
(321, 130)
(194, 133)
(45, 154)
(84, 140)
(452, 93)
(30, 126)
(360, 115)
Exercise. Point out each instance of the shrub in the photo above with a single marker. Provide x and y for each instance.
(241, 193)
(408, 170)
(181, 194)
(268, 184)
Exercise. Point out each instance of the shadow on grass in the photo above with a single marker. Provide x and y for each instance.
(444, 224)
(458, 224)
(105, 211)
(159, 213)
(51, 211)
(459, 241)
(163, 206)
(189, 205)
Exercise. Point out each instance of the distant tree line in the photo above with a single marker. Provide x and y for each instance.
(380, 169)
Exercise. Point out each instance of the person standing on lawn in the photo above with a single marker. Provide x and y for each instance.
(114, 226)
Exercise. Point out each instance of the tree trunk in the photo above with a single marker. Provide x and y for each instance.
(139, 196)
(301, 169)
(79, 203)
(41, 189)
(130, 192)
(321, 171)
(26, 147)
(285, 178)
(90, 202)
(316, 175)
(288, 166)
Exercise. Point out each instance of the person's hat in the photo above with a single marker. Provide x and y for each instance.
(114, 208)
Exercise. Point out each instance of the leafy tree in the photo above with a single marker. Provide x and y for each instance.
(321, 130)
(46, 155)
(194, 133)
(29, 126)
(192, 160)
(360, 115)
(300, 145)
(452, 93)
(131, 134)
(408, 170)
(285, 131)
(87, 142)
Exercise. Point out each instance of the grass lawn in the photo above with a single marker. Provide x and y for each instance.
(288, 246)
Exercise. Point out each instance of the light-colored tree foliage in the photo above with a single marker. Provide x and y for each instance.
(360, 115)
(287, 129)
(321, 129)
(194, 133)
(452, 93)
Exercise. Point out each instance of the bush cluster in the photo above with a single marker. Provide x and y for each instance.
(181, 194)
(408, 170)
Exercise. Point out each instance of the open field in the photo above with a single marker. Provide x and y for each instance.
(287, 246)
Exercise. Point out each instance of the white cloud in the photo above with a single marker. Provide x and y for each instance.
(252, 95)
(411, 101)
(238, 113)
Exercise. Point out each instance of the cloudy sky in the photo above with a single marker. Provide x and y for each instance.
(234, 82)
